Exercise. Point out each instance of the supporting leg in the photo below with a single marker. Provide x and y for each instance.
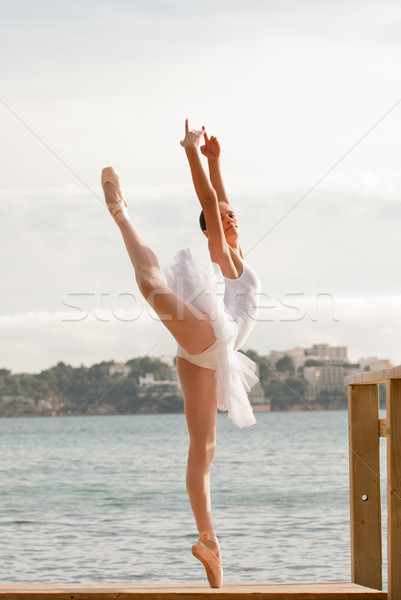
(200, 400)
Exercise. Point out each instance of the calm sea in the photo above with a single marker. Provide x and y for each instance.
(103, 499)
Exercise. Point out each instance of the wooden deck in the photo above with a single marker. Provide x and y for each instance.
(238, 591)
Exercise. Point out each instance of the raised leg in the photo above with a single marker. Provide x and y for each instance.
(190, 327)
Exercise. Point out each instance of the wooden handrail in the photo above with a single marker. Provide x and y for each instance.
(368, 377)
(365, 429)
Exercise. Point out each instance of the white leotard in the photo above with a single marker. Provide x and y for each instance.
(240, 301)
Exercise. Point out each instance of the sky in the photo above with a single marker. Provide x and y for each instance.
(305, 98)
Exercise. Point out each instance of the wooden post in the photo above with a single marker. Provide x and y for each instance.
(393, 409)
(366, 543)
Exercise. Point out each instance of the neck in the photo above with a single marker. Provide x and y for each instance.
(235, 247)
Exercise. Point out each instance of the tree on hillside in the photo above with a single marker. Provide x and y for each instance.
(288, 393)
(335, 398)
(285, 364)
(145, 364)
(314, 363)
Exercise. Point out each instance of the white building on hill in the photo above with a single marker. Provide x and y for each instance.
(372, 363)
(327, 353)
(297, 354)
(330, 377)
(119, 368)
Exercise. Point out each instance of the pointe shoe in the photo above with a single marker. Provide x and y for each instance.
(117, 208)
(212, 564)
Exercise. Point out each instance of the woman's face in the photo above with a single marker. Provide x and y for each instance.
(229, 221)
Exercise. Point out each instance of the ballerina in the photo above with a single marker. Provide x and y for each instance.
(208, 328)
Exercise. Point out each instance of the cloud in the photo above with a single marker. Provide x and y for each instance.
(57, 241)
(367, 326)
(30, 342)
(293, 83)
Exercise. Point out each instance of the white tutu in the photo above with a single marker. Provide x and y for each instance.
(202, 285)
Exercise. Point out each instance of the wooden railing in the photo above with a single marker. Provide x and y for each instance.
(365, 430)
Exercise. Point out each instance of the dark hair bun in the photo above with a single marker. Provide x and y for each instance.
(202, 221)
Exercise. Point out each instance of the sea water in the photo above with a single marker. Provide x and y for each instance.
(103, 499)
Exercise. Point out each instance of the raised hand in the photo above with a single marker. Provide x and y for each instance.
(192, 138)
(211, 147)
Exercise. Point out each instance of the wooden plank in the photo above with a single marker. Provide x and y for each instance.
(365, 506)
(378, 376)
(366, 378)
(383, 427)
(393, 409)
(237, 591)
(393, 372)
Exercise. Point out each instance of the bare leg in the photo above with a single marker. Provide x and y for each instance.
(190, 327)
(200, 401)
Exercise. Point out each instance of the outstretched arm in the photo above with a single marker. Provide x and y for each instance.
(204, 190)
(211, 149)
(206, 194)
